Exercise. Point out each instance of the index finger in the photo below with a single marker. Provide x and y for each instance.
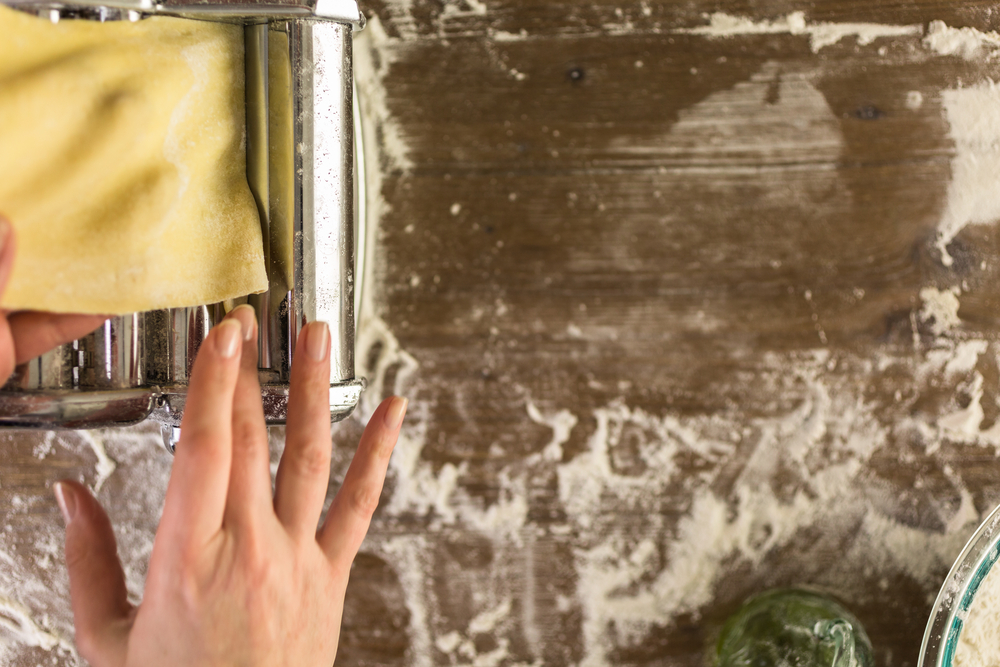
(199, 482)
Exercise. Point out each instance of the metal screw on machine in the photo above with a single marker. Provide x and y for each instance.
(301, 170)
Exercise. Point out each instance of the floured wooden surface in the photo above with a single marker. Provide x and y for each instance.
(687, 307)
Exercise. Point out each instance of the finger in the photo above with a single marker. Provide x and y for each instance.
(101, 611)
(351, 513)
(35, 333)
(304, 470)
(8, 246)
(199, 483)
(7, 354)
(250, 479)
(32, 333)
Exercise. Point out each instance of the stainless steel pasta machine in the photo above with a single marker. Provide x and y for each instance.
(301, 163)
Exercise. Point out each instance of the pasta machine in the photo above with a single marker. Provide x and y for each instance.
(301, 161)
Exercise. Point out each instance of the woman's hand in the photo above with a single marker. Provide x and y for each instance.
(237, 576)
(27, 334)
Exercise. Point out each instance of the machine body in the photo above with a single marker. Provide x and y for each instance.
(300, 168)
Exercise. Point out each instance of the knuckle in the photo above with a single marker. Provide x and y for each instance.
(198, 439)
(311, 460)
(255, 557)
(261, 582)
(247, 433)
(382, 448)
(77, 553)
(189, 594)
(87, 644)
(260, 573)
(364, 500)
(187, 584)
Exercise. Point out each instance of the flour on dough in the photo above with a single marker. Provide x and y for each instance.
(122, 164)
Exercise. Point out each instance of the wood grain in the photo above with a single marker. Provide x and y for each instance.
(713, 255)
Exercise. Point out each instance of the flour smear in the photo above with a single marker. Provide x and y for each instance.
(642, 574)
(128, 470)
(974, 193)
(967, 43)
(820, 34)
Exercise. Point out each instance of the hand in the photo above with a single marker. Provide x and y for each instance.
(25, 335)
(236, 577)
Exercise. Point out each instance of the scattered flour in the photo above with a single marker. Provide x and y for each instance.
(965, 423)
(641, 573)
(914, 100)
(968, 43)
(627, 584)
(16, 619)
(940, 309)
(632, 585)
(505, 36)
(461, 647)
(410, 555)
(974, 191)
(34, 589)
(561, 423)
(105, 465)
(374, 55)
(820, 34)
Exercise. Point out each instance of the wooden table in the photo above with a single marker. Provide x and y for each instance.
(688, 306)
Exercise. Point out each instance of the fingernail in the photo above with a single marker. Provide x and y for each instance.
(228, 338)
(317, 340)
(66, 501)
(395, 412)
(247, 317)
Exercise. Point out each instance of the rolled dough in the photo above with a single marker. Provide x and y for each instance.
(122, 164)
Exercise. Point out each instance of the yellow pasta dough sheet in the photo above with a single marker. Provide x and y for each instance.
(122, 164)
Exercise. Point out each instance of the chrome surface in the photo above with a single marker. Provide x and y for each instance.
(113, 356)
(171, 436)
(302, 161)
(52, 370)
(341, 11)
(360, 207)
(69, 8)
(188, 329)
(323, 124)
(169, 406)
(75, 409)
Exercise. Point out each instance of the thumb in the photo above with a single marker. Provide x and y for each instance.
(101, 611)
(7, 249)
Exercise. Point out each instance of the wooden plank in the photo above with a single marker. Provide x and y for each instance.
(455, 19)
